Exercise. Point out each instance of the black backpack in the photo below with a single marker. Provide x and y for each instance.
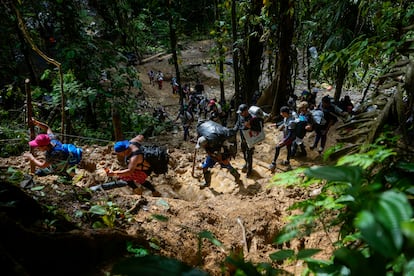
(157, 157)
(216, 134)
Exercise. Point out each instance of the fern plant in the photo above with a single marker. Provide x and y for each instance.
(366, 196)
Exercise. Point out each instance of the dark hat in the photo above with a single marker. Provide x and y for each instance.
(284, 109)
(242, 108)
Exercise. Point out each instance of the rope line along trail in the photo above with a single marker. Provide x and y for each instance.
(65, 135)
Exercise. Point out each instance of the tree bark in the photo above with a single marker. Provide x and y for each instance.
(277, 93)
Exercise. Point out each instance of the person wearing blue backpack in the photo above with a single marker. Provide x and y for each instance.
(59, 158)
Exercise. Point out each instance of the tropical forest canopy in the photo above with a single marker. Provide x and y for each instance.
(67, 48)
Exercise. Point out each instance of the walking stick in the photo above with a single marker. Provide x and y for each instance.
(29, 117)
(194, 161)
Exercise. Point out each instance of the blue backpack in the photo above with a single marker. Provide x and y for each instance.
(74, 153)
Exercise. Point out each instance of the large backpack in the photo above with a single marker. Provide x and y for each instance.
(216, 134)
(157, 156)
(74, 153)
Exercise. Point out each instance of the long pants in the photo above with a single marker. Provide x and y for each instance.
(247, 155)
(321, 134)
(289, 152)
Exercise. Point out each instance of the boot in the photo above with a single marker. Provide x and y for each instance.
(207, 179)
(236, 175)
(109, 185)
(303, 149)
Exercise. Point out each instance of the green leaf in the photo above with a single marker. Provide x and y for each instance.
(98, 210)
(391, 210)
(154, 266)
(408, 167)
(307, 253)
(354, 260)
(160, 217)
(210, 236)
(407, 228)
(282, 255)
(37, 188)
(347, 174)
(286, 236)
(163, 203)
(375, 235)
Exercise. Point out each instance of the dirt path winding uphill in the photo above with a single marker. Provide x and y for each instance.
(243, 218)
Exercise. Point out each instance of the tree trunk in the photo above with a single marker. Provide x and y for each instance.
(339, 83)
(221, 53)
(173, 44)
(277, 93)
(236, 51)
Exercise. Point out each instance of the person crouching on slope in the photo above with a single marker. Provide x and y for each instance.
(137, 171)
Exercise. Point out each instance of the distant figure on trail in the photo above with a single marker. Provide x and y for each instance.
(199, 87)
(346, 104)
(151, 76)
(60, 159)
(304, 124)
(330, 111)
(215, 111)
(137, 171)
(160, 114)
(174, 85)
(187, 118)
(186, 91)
(160, 79)
(288, 128)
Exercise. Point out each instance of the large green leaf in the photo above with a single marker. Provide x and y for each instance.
(391, 210)
(354, 260)
(154, 266)
(337, 173)
(307, 253)
(375, 235)
(282, 255)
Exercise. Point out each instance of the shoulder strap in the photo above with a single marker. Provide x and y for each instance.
(136, 144)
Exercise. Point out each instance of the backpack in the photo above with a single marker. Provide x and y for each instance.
(157, 156)
(318, 117)
(216, 134)
(74, 153)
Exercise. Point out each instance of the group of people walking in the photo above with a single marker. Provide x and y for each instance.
(218, 141)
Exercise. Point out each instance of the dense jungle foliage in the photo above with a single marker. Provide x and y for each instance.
(79, 57)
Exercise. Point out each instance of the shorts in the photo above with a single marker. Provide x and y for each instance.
(137, 176)
(210, 162)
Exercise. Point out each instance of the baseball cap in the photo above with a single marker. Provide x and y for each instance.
(40, 141)
(242, 108)
(121, 146)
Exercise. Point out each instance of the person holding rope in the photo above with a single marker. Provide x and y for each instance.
(59, 158)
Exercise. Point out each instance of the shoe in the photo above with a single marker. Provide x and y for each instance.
(320, 150)
(285, 162)
(272, 166)
(204, 185)
(156, 194)
(95, 188)
(137, 191)
(248, 174)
